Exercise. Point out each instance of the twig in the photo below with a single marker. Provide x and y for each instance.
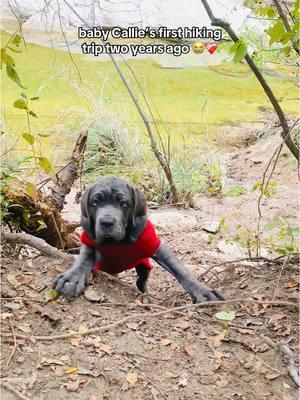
(37, 243)
(258, 74)
(154, 385)
(13, 390)
(153, 315)
(288, 357)
(265, 259)
(279, 276)
(262, 191)
(14, 345)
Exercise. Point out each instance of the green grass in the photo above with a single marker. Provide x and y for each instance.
(178, 94)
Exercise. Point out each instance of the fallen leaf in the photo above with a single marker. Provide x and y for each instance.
(202, 334)
(12, 306)
(73, 386)
(183, 379)
(209, 379)
(165, 342)
(215, 341)
(246, 331)
(83, 371)
(132, 325)
(75, 342)
(132, 377)
(71, 370)
(82, 329)
(12, 280)
(154, 393)
(53, 294)
(276, 317)
(189, 350)
(272, 375)
(25, 328)
(173, 346)
(92, 295)
(105, 347)
(50, 361)
(59, 370)
(6, 315)
(225, 315)
(262, 348)
(183, 325)
(292, 283)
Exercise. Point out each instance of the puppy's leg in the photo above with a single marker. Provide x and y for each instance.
(143, 274)
(195, 289)
(73, 282)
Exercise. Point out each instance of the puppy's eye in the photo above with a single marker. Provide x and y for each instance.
(95, 203)
(123, 204)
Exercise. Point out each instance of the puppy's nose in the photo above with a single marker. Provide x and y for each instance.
(107, 222)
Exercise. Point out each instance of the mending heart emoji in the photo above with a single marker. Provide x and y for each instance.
(211, 47)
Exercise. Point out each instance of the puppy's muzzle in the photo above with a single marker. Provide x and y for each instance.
(107, 222)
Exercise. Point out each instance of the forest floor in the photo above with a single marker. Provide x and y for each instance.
(188, 355)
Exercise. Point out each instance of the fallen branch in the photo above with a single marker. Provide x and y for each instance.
(153, 315)
(288, 357)
(14, 345)
(10, 388)
(37, 243)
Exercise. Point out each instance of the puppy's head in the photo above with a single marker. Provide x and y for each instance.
(109, 208)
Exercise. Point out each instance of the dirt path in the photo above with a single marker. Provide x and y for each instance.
(190, 356)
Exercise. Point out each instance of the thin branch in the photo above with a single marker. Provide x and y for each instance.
(14, 345)
(11, 389)
(154, 315)
(66, 41)
(285, 22)
(285, 128)
(158, 154)
(237, 260)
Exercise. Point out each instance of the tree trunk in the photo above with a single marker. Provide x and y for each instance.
(66, 178)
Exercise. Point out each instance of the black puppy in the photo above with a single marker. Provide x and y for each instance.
(117, 236)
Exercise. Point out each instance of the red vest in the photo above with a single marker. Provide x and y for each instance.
(120, 257)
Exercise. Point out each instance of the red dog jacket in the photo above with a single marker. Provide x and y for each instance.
(120, 257)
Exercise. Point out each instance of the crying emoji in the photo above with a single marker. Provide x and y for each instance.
(198, 48)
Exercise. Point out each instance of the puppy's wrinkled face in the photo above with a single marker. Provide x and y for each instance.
(110, 209)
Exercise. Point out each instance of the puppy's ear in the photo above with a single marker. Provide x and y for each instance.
(86, 219)
(139, 206)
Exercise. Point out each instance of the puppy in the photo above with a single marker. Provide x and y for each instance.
(118, 236)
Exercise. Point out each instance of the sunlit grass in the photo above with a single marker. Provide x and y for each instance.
(189, 100)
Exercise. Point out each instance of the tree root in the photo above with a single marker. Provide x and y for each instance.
(288, 357)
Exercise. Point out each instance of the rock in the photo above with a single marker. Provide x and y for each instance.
(211, 226)
(231, 249)
(173, 218)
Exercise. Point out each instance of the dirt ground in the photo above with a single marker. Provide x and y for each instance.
(190, 355)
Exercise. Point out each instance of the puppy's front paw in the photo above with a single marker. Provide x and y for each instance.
(71, 283)
(202, 294)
